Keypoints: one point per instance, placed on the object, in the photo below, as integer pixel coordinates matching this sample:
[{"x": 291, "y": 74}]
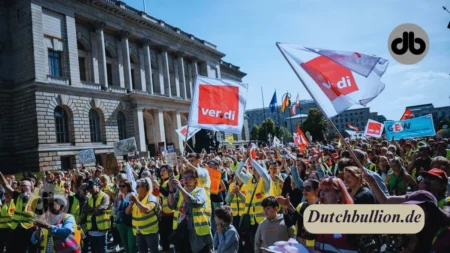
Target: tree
[
  {"x": 442, "y": 122},
  {"x": 315, "y": 124},
  {"x": 265, "y": 128},
  {"x": 254, "y": 133},
  {"x": 284, "y": 133}
]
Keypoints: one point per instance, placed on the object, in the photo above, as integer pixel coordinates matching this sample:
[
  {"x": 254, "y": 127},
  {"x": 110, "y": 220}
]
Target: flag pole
[
  {"x": 278, "y": 117},
  {"x": 264, "y": 112},
  {"x": 352, "y": 154}
]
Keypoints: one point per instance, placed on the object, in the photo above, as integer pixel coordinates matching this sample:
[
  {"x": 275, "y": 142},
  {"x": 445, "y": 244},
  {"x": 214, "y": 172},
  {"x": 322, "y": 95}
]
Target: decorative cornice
[
  {"x": 99, "y": 25},
  {"x": 145, "y": 42},
  {"x": 124, "y": 34}
]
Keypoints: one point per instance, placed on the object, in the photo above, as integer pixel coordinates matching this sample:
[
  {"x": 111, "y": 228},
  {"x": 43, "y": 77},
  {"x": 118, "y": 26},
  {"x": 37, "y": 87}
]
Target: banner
[
  {"x": 183, "y": 131},
  {"x": 124, "y": 147},
  {"x": 374, "y": 128},
  {"x": 356, "y": 135},
  {"x": 410, "y": 128},
  {"x": 86, "y": 156},
  {"x": 218, "y": 105}
]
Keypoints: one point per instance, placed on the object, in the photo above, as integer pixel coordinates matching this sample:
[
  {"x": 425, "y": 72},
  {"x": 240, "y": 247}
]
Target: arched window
[
  {"x": 122, "y": 125},
  {"x": 61, "y": 125},
  {"x": 94, "y": 123}
]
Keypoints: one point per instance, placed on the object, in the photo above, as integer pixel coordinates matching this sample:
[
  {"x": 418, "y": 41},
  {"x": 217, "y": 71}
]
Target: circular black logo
[{"x": 408, "y": 43}]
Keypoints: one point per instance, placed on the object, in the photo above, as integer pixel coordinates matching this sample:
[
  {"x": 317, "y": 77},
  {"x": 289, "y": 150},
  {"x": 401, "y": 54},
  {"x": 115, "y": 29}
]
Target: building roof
[
  {"x": 231, "y": 67},
  {"x": 418, "y": 106}
]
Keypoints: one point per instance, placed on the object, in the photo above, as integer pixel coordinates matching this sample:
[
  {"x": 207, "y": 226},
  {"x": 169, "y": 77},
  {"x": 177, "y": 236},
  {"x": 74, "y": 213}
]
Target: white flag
[
  {"x": 183, "y": 131},
  {"x": 336, "y": 80},
  {"x": 218, "y": 104},
  {"x": 276, "y": 142}
]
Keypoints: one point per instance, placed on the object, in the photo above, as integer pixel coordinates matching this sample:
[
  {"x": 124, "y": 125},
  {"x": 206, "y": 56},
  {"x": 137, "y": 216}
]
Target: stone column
[
  {"x": 195, "y": 69},
  {"x": 126, "y": 59},
  {"x": 139, "y": 130},
  {"x": 72, "y": 51},
  {"x": 166, "y": 72},
  {"x": 159, "y": 126},
  {"x": 120, "y": 64},
  {"x": 176, "y": 119},
  {"x": 142, "y": 70},
  {"x": 95, "y": 54},
  {"x": 161, "y": 74},
  {"x": 102, "y": 72},
  {"x": 177, "y": 77},
  {"x": 181, "y": 73},
  {"x": 148, "y": 65}
]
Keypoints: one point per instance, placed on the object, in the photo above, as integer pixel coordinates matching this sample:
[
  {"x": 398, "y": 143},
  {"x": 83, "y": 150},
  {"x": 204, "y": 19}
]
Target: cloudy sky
[{"x": 246, "y": 30}]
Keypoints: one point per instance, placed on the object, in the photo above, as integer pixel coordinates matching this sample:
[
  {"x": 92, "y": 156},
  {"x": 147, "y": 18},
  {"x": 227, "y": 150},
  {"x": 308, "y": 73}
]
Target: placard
[
  {"x": 86, "y": 156},
  {"x": 215, "y": 177}
]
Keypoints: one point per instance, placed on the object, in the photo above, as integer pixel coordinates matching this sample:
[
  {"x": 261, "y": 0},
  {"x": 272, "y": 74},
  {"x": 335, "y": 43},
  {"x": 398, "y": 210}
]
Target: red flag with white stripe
[
  {"x": 297, "y": 104},
  {"x": 352, "y": 127},
  {"x": 336, "y": 80}
]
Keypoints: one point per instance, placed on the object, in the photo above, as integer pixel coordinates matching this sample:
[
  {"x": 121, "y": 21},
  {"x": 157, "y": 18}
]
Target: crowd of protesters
[{"x": 151, "y": 206}]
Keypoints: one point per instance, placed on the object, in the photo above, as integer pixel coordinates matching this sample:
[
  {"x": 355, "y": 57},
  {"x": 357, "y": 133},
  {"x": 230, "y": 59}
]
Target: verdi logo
[{"x": 408, "y": 44}]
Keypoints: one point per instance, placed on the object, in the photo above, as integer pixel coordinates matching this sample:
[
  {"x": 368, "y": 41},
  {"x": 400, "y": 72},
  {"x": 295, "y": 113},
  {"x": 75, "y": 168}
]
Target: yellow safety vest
[
  {"x": 164, "y": 200},
  {"x": 256, "y": 209},
  {"x": 103, "y": 220},
  {"x": 75, "y": 209},
  {"x": 443, "y": 201},
  {"x": 309, "y": 243},
  {"x": 372, "y": 167},
  {"x": 200, "y": 216},
  {"x": 275, "y": 189},
  {"x": 24, "y": 216},
  {"x": 236, "y": 204},
  {"x": 145, "y": 223},
  {"x": 6, "y": 214}
]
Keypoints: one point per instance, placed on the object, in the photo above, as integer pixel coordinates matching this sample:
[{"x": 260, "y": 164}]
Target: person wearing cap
[
  {"x": 57, "y": 236},
  {"x": 441, "y": 150},
  {"x": 191, "y": 220},
  {"x": 435, "y": 235},
  {"x": 420, "y": 160},
  {"x": 98, "y": 211},
  {"x": 26, "y": 206}
]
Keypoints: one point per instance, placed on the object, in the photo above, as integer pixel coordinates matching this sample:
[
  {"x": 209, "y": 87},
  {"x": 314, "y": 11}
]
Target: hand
[
  {"x": 284, "y": 202},
  {"x": 175, "y": 183},
  {"x": 133, "y": 198},
  {"x": 422, "y": 170},
  {"x": 235, "y": 189},
  {"x": 41, "y": 224},
  {"x": 121, "y": 196}
]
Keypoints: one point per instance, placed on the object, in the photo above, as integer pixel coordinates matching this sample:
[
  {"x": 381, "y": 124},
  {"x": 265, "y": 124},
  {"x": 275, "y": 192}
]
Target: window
[
  {"x": 54, "y": 63},
  {"x": 235, "y": 137},
  {"x": 82, "y": 67},
  {"x": 109, "y": 73},
  {"x": 94, "y": 123},
  {"x": 133, "y": 82},
  {"x": 66, "y": 163},
  {"x": 61, "y": 125},
  {"x": 122, "y": 125}
]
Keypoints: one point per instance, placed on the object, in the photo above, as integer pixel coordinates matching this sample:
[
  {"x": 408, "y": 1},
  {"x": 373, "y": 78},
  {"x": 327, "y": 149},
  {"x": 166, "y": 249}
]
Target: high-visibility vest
[
  {"x": 207, "y": 186},
  {"x": 236, "y": 204},
  {"x": 275, "y": 189},
  {"x": 372, "y": 167},
  {"x": 256, "y": 209},
  {"x": 75, "y": 208},
  {"x": 164, "y": 200},
  {"x": 103, "y": 220},
  {"x": 447, "y": 155},
  {"x": 145, "y": 223},
  {"x": 200, "y": 216},
  {"x": 6, "y": 214},
  {"x": 66, "y": 245},
  {"x": 22, "y": 216},
  {"x": 309, "y": 243},
  {"x": 443, "y": 202}
]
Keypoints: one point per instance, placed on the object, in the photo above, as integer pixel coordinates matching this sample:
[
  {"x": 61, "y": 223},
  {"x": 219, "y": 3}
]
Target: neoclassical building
[{"x": 81, "y": 74}]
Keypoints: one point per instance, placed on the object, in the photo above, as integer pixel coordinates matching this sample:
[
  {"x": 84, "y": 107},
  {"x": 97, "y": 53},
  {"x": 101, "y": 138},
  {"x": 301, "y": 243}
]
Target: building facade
[
  {"x": 82, "y": 74},
  {"x": 424, "y": 109}
]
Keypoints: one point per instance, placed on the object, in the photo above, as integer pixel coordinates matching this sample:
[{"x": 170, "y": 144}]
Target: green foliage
[
  {"x": 254, "y": 133},
  {"x": 261, "y": 132},
  {"x": 315, "y": 124}
]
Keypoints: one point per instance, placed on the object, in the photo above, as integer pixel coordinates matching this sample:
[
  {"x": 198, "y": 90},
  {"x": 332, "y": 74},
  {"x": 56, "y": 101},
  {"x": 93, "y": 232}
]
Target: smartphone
[{"x": 170, "y": 171}]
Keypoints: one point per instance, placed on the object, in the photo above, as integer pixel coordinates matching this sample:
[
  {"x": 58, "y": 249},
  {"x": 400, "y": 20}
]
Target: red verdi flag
[
  {"x": 336, "y": 80},
  {"x": 374, "y": 128},
  {"x": 218, "y": 104},
  {"x": 407, "y": 114}
]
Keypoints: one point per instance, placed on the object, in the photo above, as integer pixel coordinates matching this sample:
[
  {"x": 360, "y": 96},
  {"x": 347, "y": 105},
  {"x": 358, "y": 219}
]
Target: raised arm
[
  {"x": 263, "y": 174},
  {"x": 242, "y": 174}
]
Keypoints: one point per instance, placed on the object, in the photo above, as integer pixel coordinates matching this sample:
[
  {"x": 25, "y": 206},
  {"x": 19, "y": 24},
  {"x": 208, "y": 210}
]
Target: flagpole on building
[
  {"x": 352, "y": 154},
  {"x": 264, "y": 112}
]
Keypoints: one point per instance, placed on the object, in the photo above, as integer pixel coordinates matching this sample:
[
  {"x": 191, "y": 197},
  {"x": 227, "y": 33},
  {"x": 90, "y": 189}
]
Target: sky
[{"x": 247, "y": 30}]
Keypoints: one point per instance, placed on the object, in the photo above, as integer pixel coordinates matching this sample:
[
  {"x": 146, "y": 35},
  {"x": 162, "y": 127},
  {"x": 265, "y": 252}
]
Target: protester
[{"x": 226, "y": 238}]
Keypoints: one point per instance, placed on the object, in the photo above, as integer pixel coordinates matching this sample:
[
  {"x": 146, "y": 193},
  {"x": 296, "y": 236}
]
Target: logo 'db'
[
  {"x": 218, "y": 105},
  {"x": 408, "y": 43}
]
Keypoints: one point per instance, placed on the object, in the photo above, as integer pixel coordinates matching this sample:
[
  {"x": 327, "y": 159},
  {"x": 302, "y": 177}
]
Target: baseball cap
[
  {"x": 93, "y": 182},
  {"x": 437, "y": 173},
  {"x": 420, "y": 197}
]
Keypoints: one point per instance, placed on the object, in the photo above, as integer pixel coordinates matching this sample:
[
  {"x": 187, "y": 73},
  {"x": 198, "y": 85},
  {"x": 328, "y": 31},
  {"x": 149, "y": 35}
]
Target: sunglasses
[
  {"x": 306, "y": 188},
  {"x": 122, "y": 186}
]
